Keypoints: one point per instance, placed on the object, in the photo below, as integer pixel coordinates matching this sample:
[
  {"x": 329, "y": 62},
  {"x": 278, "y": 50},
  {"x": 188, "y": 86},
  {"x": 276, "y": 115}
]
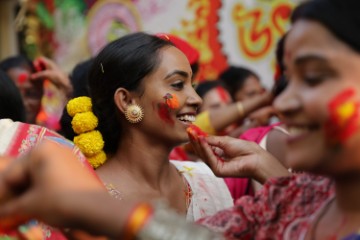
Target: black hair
[
  {"x": 207, "y": 85},
  {"x": 16, "y": 61},
  {"x": 11, "y": 103},
  {"x": 234, "y": 78},
  {"x": 122, "y": 63},
  {"x": 281, "y": 82},
  {"x": 345, "y": 26},
  {"x": 79, "y": 79},
  {"x": 195, "y": 68}
]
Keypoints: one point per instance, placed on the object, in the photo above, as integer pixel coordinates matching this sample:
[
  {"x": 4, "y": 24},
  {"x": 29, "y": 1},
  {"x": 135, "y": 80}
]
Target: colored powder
[
  {"x": 171, "y": 101},
  {"x": 164, "y": 113},
  {"x": 344, "y": 117},
  {"x": 22, "y": 78}
]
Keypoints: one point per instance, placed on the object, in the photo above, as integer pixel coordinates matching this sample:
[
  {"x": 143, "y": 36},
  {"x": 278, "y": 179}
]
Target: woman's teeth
[{"x": 187, "y": 118}]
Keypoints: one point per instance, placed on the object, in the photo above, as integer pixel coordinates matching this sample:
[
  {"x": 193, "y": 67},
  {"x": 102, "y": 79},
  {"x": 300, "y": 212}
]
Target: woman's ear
[{"x": 122, "y": 98}]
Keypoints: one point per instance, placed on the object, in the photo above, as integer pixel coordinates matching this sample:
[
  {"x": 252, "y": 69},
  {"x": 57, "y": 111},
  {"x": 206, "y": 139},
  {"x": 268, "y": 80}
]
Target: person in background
[
  {"x": 241, "y": 83},
  {"x": 29, "y": 78},
  {"x": 271, "y": 138},
  {"x": 11, "y": 104},
  {"x": 213, "y": 94}
]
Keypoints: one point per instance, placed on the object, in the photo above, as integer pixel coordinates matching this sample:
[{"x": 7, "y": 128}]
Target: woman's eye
[
  {"x": 178, "y": 85},
  {"x": 315, "y": 79}
]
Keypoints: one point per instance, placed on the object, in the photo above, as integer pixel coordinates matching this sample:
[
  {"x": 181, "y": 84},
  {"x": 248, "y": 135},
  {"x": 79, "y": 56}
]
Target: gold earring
[{"x": 134, "y": 113}]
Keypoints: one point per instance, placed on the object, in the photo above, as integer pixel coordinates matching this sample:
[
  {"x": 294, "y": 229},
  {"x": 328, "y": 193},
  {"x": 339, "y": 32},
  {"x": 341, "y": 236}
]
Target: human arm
[
  {"x": 47, "y": 69},
  {"x": 230, "y": 157},
  {"x": 49, "y": 184},
  {"x": 227, "y": 115},
  {"x": 222, "y": 117}
]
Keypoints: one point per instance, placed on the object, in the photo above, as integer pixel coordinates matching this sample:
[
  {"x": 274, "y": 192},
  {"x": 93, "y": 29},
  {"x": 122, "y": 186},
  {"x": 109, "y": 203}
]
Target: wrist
[
  {"x": 137, "y": 219},
  {"x": 270, "y": 167}
]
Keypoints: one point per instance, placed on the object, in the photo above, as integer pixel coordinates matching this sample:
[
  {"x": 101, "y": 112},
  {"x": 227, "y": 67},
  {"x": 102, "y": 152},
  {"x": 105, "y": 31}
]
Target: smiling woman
[{"x": 149, "y": 72}]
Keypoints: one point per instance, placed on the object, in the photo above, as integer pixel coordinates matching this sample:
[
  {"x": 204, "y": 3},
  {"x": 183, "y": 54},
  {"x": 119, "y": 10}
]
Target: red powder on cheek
[
  {"x": 344, "y": 117},
  {"x": 171, "y": 101},
  {"x": 22, "y": 78},
  {"x": 224, "y": 96},
  {"x": 164, "y": 113}
]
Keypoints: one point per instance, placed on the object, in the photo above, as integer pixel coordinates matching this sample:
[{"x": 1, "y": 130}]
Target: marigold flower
[
  {"x": 97, "y": 160},
  {"x": 90, "y": 143},
  {"x": 79, "y": 105},
  {"x": 84, "y": 122}
]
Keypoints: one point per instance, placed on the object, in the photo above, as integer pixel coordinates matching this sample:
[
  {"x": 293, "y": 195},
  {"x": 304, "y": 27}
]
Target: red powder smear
[
  {"x": 171, "y": 101},
  {"x": 164, "y": 113},
  {"x": 196, "y": 131},
  {"x": 224, "y": 96},
  {"x": 39, "y": 65},
  {"x": 344, "y": 117},
  {"x": 22, "y": 78}
]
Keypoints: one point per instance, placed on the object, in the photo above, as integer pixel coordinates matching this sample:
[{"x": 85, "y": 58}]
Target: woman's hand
[
  {"x": 47, "y": 69},
  {"x": 231, "y": 157}
]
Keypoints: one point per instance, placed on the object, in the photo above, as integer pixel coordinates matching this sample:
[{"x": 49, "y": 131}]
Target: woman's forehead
[{"x": 312, "y": 38}]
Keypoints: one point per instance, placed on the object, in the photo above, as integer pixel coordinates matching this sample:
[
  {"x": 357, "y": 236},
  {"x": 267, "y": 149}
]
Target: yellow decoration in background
[
  {"x": 79, "y": 105},
  {"x": 84, "y": 122}
]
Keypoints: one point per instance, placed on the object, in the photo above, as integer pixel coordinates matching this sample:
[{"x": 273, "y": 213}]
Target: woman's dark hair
[
  {"x": 11, "y": 105},
  {"x": 280, "y": 78},
  {"x": 123, "y": 63},
  {"x": 207, "y": 85},
  {"x": 234, "y": 78},
  {"x": 345, "y": 26},
  {"x": 79, "y": 80},
  {"x": 16, "y": 61}
]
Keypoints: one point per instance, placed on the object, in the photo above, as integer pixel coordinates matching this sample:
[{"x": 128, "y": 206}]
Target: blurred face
[
  {"x": 321, "y": 103},
  {"x": 215, "y": 98},
  {"x": 169, "y": 100},
  {"x": 251, "y": 88},
  {"x": 31, "y": 91}
]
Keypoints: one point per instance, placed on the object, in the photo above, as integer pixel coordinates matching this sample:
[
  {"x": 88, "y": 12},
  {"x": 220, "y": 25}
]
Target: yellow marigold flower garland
[
  {"x": 79, "y": 105},
  {"x": 84, "y": 122}
]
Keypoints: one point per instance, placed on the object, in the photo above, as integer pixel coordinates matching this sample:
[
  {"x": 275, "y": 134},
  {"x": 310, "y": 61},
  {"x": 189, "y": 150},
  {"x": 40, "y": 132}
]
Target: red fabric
[
  {"x": 179, "y": 154},
  {"x": 191, "y": 53},
  {"x": 281, "y": 210}
]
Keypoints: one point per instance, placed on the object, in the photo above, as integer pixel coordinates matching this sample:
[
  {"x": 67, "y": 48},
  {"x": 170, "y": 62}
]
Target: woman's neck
[{"x": 147, "y": 161}]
